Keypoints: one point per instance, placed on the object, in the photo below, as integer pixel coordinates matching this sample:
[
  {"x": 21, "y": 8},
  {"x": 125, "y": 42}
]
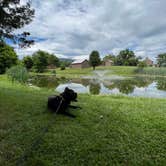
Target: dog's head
[{"x": 69, "y": 95}]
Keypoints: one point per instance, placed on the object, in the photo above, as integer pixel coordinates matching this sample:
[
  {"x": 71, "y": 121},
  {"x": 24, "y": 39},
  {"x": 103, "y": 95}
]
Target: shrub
[
  {"x": 63, "y": 67},
  {"x": 53, "y": 71},
  {"x": 142, "y": 64},
  {"x": 18, "y": 73}
]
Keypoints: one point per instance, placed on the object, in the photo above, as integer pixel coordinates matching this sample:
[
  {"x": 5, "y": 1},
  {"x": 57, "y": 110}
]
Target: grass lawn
[
  {"x": 112, "y": 70},
  {"x": 76, "y": 73},
  {"x": 108, "y": 130}
]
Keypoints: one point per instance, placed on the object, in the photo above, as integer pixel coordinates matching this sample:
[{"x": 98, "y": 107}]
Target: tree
[
  {"x": 161, "y": 60},
  {"x": 40, "y": 61},
  {"x": 109, "y": 57},
  {"x": 94, "y": 59},
  {"x": 8, "y": 57},
  {"x": 28, "y": 62},
  {"x": 142, "y": 64},
  {"x": 14, "y": 16},
  {"x": 126, "y": 58},
  {"x": 53, "y": 60}
]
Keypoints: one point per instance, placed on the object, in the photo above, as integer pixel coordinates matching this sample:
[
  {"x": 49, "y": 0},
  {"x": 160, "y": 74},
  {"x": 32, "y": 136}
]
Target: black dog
[{"x": 59, "y": 104}]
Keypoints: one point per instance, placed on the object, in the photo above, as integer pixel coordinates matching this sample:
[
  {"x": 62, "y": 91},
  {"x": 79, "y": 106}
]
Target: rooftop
[{"x": 79, "y": 61}]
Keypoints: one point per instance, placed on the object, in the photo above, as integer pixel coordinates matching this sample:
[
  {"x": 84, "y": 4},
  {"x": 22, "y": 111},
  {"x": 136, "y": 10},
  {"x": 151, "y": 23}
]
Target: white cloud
[{"x": 76, "y": 27}]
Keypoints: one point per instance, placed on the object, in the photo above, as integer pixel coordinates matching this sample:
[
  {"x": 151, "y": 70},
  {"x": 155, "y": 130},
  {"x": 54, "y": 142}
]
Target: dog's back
[{"x": 54, "y": 102}]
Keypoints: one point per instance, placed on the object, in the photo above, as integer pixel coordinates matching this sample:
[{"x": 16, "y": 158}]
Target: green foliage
[
  {"x": 94, "y": 59},
  {"x": 66, "y": 62},
  {"x": 13, "y": 16},
  {"x": 28, "y": 62},
  {"x": 109, "y": 57},
  {"x": 40, "y": 61},
  {"x": 18, "y": 73},
  {"x": 53, "y": 60},
  {"x": 94, "y": 88},
  {"x": 142, "y": 64},
  {"x": 155, "y": 71},
  {"x": 161, "y": 60},
  {"x": 126, "y": 58},
  {"x": 8, "y": 57},
  {"x": 63, "y": 67},
  {"x": 53, "y": 71}
]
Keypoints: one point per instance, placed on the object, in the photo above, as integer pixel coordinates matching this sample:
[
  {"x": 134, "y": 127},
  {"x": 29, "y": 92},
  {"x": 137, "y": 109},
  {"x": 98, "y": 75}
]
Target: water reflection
[
  {"x": 136, "y": 86},
  {"x": 94, "y": 88},
  {"x": 47, "y": 81},
  {"x": 161, "y": 84}
]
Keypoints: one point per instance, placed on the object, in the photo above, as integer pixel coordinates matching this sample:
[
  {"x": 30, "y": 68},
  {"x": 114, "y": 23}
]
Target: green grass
[
  {"x": 153, "y": 71},
  {"x": 112, "y": 70},
  {"x": 131, "y": 132},
  {"x": 77, "y": 73}
]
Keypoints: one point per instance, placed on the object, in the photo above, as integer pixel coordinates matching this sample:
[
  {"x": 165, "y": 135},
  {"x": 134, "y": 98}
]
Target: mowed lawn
[
  {"x": 77, "y": 73},
  {"x": 108, "y": 130}
]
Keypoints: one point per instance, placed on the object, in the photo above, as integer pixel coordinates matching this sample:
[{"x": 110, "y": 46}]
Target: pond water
[{"x": 103, "y": 84}]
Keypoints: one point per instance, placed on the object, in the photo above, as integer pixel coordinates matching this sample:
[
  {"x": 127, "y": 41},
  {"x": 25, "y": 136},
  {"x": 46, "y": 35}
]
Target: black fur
[{"x": 61, "y": 103}]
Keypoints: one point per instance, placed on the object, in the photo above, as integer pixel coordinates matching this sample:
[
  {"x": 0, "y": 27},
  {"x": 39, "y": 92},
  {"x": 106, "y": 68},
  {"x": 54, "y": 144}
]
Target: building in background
[
  {"x": 80, "y": 64},
  {"x": 149, "y": 62},
  {"x": 107, "y": 62}
]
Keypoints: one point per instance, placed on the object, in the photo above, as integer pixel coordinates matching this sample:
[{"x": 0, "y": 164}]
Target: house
[
  {"x": 148, "y": 61},
  {"x": 80, "y": 64},
  {"x": 107, "y": 62}
]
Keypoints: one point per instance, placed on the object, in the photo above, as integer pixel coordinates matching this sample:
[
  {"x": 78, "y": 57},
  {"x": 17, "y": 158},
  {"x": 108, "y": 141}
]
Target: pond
[{"x": 106, "y": 85}]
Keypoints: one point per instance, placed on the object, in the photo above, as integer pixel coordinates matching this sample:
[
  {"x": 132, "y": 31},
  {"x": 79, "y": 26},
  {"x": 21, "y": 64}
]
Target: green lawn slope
[{"x": 108, "y": 130}]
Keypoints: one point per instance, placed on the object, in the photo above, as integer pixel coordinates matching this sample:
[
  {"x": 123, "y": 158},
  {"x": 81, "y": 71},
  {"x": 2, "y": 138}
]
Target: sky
[{"x": 73, "y": 28}]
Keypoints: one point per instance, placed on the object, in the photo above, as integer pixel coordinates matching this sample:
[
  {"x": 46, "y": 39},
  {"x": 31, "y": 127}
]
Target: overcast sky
[{"x": 73, "y": 28}]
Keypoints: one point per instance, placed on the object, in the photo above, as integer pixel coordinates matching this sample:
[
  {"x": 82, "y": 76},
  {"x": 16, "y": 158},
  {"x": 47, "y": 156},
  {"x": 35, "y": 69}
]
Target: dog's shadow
[{"x": 67, "y": 112}]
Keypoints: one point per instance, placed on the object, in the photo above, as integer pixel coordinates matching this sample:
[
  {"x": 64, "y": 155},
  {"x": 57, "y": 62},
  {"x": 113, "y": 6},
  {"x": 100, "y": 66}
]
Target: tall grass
[
  {"x": 18, "y": 73},
  {"x": 152, "y": 71}
]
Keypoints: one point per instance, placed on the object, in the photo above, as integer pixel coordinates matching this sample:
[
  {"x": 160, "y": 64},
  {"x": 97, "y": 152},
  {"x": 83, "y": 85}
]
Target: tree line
[
  {"x": 14, "y": 15},
  {"x": 41, "y": 60}
]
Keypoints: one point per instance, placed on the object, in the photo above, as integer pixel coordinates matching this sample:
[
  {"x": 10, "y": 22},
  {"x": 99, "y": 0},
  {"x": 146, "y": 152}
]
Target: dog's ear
[{"x": 66, "y": 88}]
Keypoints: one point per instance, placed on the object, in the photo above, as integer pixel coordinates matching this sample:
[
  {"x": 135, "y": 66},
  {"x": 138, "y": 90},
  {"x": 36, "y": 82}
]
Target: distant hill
[{"x": 66, "y": 60}]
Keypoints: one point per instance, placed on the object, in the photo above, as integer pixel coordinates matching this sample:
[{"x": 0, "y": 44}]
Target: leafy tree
[
  {"x": 8, "y": 57},
  {"x": 40, "y": 61},
  {"x": 28, "y": 62},
  {"x": 126, "y": 58},
  {"x": 53, "y": 60},
  {"x": 14, "y": 16},
  {"x": 109, "y": 57},
  {"x": 94, "y": 59},
  {"x": 161, "y": 60}
]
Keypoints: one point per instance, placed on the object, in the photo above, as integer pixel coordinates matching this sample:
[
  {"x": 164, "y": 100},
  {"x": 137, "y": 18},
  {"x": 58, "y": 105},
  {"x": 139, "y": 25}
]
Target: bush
[
  {"x": 53, "y": 71},
  {"x": 63, "y": 67},
  {"x": 142, "y": 64},
  {"x": 163, "y": 65},
  {"x": 18, "y": 73}
]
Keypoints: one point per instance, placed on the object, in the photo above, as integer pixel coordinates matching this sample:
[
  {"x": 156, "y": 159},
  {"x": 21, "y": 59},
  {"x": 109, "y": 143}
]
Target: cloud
[{"x": 71, "y": 28}]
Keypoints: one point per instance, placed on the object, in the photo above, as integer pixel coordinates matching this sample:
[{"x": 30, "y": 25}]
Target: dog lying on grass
[{"x": 60, "y": 104}]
